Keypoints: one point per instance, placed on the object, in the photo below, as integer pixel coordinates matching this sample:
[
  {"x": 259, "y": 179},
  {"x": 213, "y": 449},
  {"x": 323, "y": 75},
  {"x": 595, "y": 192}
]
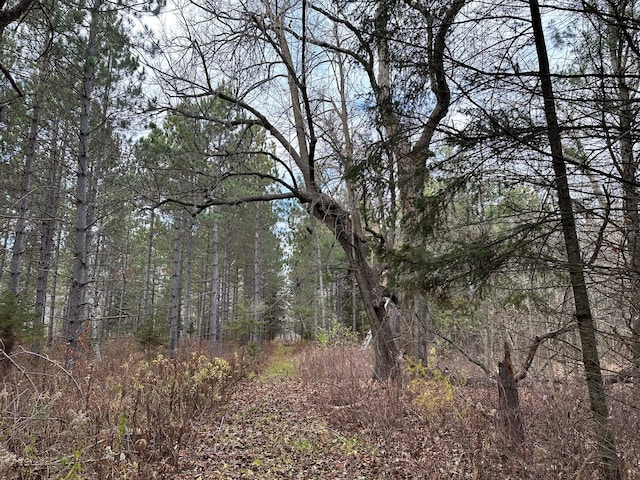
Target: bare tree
[{"x": 277, "y": 80}]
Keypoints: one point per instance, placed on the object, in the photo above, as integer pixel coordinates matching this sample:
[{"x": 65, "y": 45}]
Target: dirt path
[
  {"x": 272, "y": 430},
  {"x": 336, "y": 425}
]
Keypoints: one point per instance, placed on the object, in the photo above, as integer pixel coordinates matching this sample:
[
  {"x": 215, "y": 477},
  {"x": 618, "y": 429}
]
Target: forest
[{"x": 420, "y": 217}]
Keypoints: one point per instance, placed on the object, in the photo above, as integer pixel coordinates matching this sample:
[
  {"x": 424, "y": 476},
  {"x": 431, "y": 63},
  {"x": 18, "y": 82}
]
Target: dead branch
[
  {"x": 464, "y": 354},
  {"x": 538, "y": 339}
]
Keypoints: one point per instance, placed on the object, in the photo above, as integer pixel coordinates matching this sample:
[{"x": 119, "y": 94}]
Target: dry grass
[
  {"x": 126, "y": 416},
  {"x": 457, "y": 437},
  {"x": 145, "y": 417}
]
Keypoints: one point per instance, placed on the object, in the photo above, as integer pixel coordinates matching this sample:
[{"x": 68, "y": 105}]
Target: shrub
[
  {"x": 150, "y": 335},
  {"x": 110, "y": 420},
  {"x": 16, "y": 323},
  {"x": 161, "y": 399},
  {"x": 432, "y": 389},
  {"x": 336, "y": 333}
]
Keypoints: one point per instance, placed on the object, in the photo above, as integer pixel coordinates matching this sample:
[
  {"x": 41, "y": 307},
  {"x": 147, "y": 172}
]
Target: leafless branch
[{"x": 536, "y": 343}]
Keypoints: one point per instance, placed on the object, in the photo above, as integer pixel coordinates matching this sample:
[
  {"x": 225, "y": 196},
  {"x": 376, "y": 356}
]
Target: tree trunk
[
  {"x": 320, "y": 296},
  {"x": 5, "y": 246},
  {"x": 48, "y": 231},
  {"x": 187, "y": 288},
  {"x": 176, "y": 280},
  {"x": 509, "y": 416},
  {"x": 12, "y": 12},
  {"x": 215, "y": 292},
  {"x": 148, "y": 268},
  {"x": 628, "y": 168},
  {"x": 256, "y": 328},
  {"x": 411, "y": 157},
  {"x": 54, "y": 288},
  {"x": 78, "y": 290},
  {"x": 96, "y": 308},
  {"x": 340, "y": 224},
  {"x": 584, "y": 318},
  {"x": 25, "y": 195}
]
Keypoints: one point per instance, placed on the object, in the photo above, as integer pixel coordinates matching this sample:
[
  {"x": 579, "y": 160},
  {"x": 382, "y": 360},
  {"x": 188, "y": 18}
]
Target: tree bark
[
  {"x": 215, "y": 291},
  {"x": 187, "y": 287},
  {"x": 411, "y": 157},
  {"x": 78, "y": 290},
  {"x": 25, "y": 195},
  {"x": 11, "y": 14},
  {"x": 628, "y": 168},
  {"x": 586, "y": 328},
  {"x": 146, "y": 294},
  {"x": 320, "y": 294},
  {"x": 176, "y": 281},
  {"x": 48, "y": 231},
  {"x": 339, "y": 222},
  {"x": 54, "y": 288},
  {"x": 509, "y": 416},
  {"x": 256, "y": 328}
]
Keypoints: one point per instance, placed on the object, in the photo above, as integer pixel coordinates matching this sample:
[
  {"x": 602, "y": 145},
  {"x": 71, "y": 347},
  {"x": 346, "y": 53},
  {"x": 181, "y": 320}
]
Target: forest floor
[
  {"x": 315, "y": 414},
  {"x": 301, "y": 411}
]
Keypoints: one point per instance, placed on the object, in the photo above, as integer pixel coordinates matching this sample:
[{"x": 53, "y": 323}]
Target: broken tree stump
[{"x": 509, "y": 416}]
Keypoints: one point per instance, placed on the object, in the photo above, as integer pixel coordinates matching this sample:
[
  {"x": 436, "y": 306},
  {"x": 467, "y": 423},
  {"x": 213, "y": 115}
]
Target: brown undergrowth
[
  {"x": 440, "y": 426},
  {"x": 126, "y": 416},
  {"x": 306, "y": 411}
]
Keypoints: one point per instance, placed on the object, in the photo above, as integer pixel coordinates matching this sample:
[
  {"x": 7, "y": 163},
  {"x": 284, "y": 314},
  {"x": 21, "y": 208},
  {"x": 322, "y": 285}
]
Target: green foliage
[
  {"x": 478, "y": 231},
  {"x": 150, "y": 335},
  {"x": 315, "y": 252},
  {"x": 459, "y": 312},
  {"x": 238, "y": 329},
  {"x": 335, "y": 334},
  {"x": 73, "y": 466},
  {"x": 16, "y": 322},
  {"x": 432, "y": 390},
  {"x": 437, "y": 201},
  {"x": 281, "y": 364}
]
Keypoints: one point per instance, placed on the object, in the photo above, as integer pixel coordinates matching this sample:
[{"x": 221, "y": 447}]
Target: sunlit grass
[{"x": 281, "y": 363}]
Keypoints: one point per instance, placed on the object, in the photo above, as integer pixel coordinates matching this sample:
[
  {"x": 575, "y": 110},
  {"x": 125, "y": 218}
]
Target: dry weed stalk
[{"x": 111, "y": 419}]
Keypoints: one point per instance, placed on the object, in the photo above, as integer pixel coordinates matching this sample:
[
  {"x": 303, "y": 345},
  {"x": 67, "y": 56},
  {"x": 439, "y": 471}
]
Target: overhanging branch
[
  {"x": 14, "y": 85},
  {"x": 201, "y": 206}
]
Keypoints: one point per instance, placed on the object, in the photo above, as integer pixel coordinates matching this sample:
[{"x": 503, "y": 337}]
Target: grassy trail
[{"x": 272, "y": 430}]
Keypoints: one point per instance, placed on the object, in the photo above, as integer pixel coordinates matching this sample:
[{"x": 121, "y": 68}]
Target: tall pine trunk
[
  {"x": 187, "y": 287},
  {"x": 584, "y": 318},
  {"x": 256, "y": 328},
  {"x": 146, "y": 293},
  {"x": 176, "y": 281},
  {"x": 47, "y": 234},
  {"x": 79, "y": 281},
  {"x": 20, "y": 236},
  {"x": 215, "y": 288}
]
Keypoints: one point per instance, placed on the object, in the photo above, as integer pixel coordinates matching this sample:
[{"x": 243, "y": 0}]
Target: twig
[
  {"x": 22, "y": 370},
  {"x": 7, "y": 75},
  {"x": 55, "y": 363},
  {"x": 464, "y": 354}
]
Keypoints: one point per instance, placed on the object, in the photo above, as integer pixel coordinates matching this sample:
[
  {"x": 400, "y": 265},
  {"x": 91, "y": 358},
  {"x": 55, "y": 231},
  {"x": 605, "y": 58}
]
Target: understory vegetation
[
  {"x": 127, "y": 416},
  {"x": 442, "y": 195},
  {"x": 304, "y": 410}
]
